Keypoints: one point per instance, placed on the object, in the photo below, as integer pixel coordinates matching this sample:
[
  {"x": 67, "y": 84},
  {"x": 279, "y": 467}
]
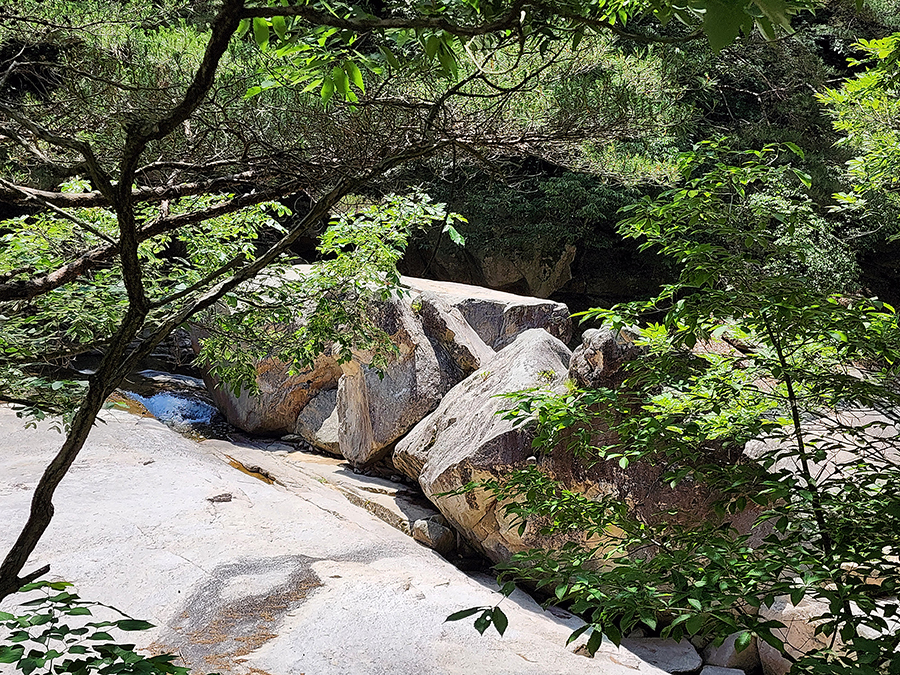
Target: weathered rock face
[
  {"x": 499, "y": 317},
  {"x": 598, "y": 360},
  {"x": 318, "y": 422},
  {"x": 799, "y": 632},
  {"x": 465, "y": 440},
  {"x": 543, "y": 275},
  {"x": 443, "y": 332},
  {"x": 274, "y": 409}
]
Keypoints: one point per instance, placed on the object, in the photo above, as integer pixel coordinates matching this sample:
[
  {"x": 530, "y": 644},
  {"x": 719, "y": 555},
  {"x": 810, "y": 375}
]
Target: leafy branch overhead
[{"x": 328, "y": 47}]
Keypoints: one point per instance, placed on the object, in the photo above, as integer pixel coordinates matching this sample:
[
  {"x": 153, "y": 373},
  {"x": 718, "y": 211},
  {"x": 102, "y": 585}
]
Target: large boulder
[
  {"x": 727, "y": 655},
  {"x": 496, "y": 316},
  {"x": 443, "y": 333},
  {"x": 598, "y": 360},
  {"x": 540, "y": 273},
  {"x": 274, "y": 408},
  {"x": 465, "y": 440},
  {"x": 799, "y": 633},
  {"x": 800, "y": 624}
]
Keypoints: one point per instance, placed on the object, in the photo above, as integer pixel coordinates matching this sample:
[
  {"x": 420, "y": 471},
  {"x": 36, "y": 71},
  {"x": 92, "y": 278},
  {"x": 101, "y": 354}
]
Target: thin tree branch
[
  {"x": 27, "y": 289},
  {"x": 60, "y": 212}
]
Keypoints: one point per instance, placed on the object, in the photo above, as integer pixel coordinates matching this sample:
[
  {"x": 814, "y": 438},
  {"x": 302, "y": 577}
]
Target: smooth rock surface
[
  {"x": 719, "y": 670},
  {"x": 281, "y": 579},
  {"x": 678, "y": 658},
  {"x": 388, "y": 501},
  {"x": 465, "y": 440}
]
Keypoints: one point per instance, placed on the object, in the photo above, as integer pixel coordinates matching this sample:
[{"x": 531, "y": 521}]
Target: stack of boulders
[
  {"x": 434, "y": 411},
  {"x": 443, "y": 332}
]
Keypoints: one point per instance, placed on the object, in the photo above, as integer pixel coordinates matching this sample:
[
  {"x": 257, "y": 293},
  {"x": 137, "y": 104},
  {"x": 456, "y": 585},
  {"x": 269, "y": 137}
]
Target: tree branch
[
  {"x": 98, "y": 174},
  {"x": 147, "y": 195},
  {"x": 68, "y": 216},
  {"x": 27, "y": 289}
]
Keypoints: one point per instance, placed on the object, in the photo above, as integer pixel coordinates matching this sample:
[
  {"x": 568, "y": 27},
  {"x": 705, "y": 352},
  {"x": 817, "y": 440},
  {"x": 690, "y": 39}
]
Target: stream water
[{"x": 178, "y": 401}]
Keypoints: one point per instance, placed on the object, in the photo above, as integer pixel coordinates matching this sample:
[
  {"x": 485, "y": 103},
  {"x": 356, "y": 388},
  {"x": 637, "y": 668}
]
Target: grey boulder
[
  {"x": 466, "y": 440},
  {"x": 496, "y": 316}
]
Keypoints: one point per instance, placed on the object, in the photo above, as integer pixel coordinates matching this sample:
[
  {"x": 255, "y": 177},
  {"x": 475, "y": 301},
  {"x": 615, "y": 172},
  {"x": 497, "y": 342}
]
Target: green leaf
[
  {"x": 577, "y": 37},
  {"x": 11, "y": 654},
  {"x": 432, "y": 43},
  {"x": 500, "y": 620},
  {"x": 279, "y": 26},
  {"x": 483, "y": 621},
  {"x": 613, "y": 633},
  {"x": 594, "y": 642},
  {"x": 742, "y": 641},
  {"x": 261, "y": 33},
  {"x": 29, "y": 665},
  {"x": 578, "y": 632},
  {"x": 793, "y": 147},
  {"x": 390, "y": 58},
  {"x": 462, "y": 614},
  {"x": 355, "y": 75},
  {"x": 694, "y": 624},
  {"x": 776, "y": 11},
  {"x": 327, "y": 90},
  {"x": 722, "y": 23},
  {"x": 133, "y": 624},
  {"x": 804, "y": 177},
  {"x": 508, "y": 588},
  {"x": 341, "y": 83},
  {"x": 455, "y": 236}
]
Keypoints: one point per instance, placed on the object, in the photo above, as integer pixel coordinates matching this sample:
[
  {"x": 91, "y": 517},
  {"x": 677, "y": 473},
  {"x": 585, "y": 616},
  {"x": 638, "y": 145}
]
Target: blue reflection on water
[{"x": 175, "y": 410}]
